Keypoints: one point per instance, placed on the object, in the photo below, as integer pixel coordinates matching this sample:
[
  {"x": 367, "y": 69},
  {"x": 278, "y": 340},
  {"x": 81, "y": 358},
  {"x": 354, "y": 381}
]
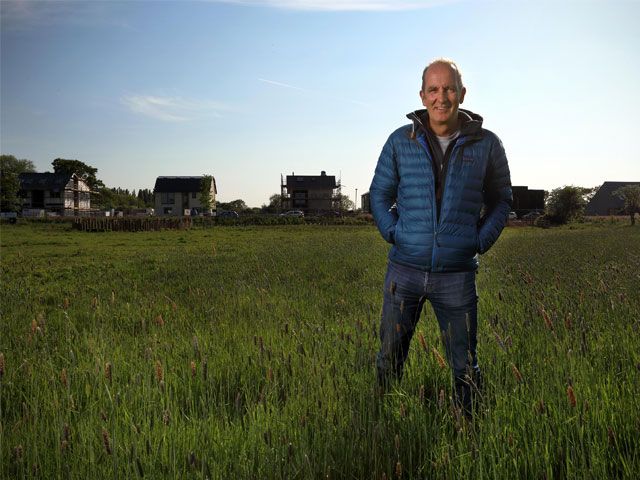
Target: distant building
[
  {"x": 181, "y": 195},
  {"x": 604, "y": 202},
  {"x": 365, "y": 202},
  {"x": 525, "y": 200},
  {"x": 310, "y": 193},
  {"x": 59, "y": 193}
]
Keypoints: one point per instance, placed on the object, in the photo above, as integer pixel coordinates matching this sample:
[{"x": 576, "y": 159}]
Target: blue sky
[{"x": 249, "y": 90}]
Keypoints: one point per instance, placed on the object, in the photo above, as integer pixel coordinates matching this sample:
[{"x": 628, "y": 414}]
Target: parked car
[
  {"x": 228, "y": 214},
  {"x": 513, "y": 216},
  {"x": 293, "y": 213},
  {"x": 532, "y": 215}
]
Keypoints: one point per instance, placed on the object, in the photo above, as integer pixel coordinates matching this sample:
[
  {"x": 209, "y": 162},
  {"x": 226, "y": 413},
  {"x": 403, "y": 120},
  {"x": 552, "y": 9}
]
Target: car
[
  {"x": 513, "y": 216},
  {"x": 293, "y": 213},
  {"x": 228, "y": 214},
  {"x": 532, "y": 215}
]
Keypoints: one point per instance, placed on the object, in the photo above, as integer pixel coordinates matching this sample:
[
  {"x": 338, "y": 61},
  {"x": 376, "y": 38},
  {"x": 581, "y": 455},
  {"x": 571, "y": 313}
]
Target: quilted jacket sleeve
[
  {"x": 383, "y": 192},
  {"x": 497, "y": 197}
]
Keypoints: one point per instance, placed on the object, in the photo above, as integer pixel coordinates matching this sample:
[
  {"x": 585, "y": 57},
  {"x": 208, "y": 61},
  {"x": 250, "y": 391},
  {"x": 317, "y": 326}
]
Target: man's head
[{"x": 442, "y": 92}]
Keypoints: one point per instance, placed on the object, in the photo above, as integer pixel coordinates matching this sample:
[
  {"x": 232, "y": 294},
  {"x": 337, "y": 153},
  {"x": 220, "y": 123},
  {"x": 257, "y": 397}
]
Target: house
[
  {"x": 181, "y": 195},
  {"x": 310, "y": 193},
  {"x": 365, "y": 202},
  {"x": 59, "y": 193},
  {"x": 525, "y": 200},
  {"x": 604, "y": 202}
]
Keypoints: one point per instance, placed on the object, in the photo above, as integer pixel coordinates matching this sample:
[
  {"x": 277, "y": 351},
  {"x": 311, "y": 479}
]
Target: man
[{"x": 432, "y": 180}]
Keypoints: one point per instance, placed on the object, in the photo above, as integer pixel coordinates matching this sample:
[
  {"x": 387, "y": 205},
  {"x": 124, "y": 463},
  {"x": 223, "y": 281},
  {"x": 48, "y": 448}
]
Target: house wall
[
  {"x": 181, "y": 201},
  {"x": 62, "y": 202}
]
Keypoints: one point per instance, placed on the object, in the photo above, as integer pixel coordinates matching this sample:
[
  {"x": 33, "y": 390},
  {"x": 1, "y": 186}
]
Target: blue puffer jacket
[{"x": 477, "y": 176}]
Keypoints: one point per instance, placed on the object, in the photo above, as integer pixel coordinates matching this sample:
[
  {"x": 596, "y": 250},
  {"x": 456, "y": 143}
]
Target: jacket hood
[{"x": 471, "y": 123}]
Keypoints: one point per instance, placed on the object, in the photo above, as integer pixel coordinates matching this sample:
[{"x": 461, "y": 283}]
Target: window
[
  {"x": 167, "y": 197},
  {"x": 194, "y": 194},
  {"x": 54, "y": 194}
]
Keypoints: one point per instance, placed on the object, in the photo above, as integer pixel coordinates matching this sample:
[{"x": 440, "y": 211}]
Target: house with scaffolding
[
  {"x": 313, "y": 194},
  {"x": 54, "y": 193}
]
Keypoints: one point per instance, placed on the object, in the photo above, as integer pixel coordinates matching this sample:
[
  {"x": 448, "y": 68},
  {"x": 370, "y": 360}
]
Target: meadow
[{"x": 248, "y": 353}]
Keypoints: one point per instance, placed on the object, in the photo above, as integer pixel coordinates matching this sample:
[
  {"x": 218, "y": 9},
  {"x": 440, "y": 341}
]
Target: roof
[
  {"x": 180, "y": 184},
  {"x": 44, "y": 181},
  {"x": 311, "y": 181},
  {"x": 604, "y": 202}
]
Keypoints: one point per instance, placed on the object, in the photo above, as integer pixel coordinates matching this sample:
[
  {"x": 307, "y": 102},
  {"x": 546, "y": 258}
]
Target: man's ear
[
  {"x": 462, "y": 94},
  {"x": 422, "y": 97}
]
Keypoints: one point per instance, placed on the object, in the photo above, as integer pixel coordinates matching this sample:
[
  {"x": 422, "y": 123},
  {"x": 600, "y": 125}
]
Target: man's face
[{"x": 440, "y": 95}]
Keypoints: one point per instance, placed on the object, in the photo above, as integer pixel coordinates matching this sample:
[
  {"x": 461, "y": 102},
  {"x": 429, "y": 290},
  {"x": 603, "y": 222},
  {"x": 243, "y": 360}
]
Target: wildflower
[
  {"x": 571, "y": 396},
  {"x": 106, "y": 441},
  {"x": 516, "y": 373}
]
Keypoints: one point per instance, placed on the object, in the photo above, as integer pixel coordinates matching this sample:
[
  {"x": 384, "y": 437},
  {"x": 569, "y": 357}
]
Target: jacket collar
[{"x": 470, "y": 123}]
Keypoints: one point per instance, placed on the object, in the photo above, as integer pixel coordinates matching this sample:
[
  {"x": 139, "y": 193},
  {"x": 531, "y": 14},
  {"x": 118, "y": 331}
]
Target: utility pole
[{"x": 355, "y": 201}]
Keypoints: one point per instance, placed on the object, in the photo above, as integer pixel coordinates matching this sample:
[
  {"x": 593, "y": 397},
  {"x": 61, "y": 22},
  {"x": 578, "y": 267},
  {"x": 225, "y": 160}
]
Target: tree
[
  {"x": 62, "y": 165},
  {"x": 205, "y": 192},
  {"x": 630, "y": 195},
  {"x": 275, "y": 204},
  {"x": 235, "y": 205},
  {"x": 342, "y": 202},
  {"x": 10, "y": 170},
  {"x": 566, "y": 204}
]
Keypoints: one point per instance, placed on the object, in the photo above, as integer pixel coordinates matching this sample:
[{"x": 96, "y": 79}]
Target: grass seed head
[
  {"x": 397, "y": 443},
  {"x": 166, "y": 417},
  {"x": 107, "y": 372},
  {"x": 106, "y": 441},
  {"x": 65, "y": 303},
  {"x": 516, "y": 372},
  {"x": 159, "y": 371},
  {"x": 441, "y": 398},
  {"x": 63, "y": 378},
  {"x": 398, "y": 469},
  {"x": 159, "y": 321},
  {"x": 439, "y": 358},
  {"x": 1, "y": 365},
  {"x": 423, "y": 342},
  {"x": 571, "y": 396},
  {"x": 193, "y": 368}
]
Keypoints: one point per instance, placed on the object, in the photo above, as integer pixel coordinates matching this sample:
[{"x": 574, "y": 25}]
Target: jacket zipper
[{"x": 434, "y": 207}]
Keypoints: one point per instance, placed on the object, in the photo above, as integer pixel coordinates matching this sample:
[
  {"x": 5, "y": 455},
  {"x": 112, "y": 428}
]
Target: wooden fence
[{"x": 130, "y": 224}]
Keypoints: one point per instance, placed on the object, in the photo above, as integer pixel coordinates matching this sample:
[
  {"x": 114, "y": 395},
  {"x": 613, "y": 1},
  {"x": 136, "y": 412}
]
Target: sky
[{"x": 249, "y": 90}]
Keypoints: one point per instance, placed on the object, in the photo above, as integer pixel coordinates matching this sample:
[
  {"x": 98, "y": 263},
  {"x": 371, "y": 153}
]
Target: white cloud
[
  {"x": 342, "y": 5},
  {"x": 172, "y": 109}
]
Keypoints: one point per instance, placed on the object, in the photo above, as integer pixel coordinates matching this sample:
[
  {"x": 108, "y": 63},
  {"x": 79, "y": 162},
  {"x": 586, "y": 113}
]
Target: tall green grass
[{"x": 248, "y": 352}]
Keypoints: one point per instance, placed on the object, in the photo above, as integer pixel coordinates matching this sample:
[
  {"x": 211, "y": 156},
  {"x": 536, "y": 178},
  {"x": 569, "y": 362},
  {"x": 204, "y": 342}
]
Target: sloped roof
[
  {"x": 44, "y": 181},
  {"x": 604, "y": 202},
  {"x": 180, "y": 184},
  {"x": 311, "y": 181}
]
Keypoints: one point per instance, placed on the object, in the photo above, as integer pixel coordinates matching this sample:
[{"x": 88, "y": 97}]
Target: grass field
[{"x": 248, "y": 353}]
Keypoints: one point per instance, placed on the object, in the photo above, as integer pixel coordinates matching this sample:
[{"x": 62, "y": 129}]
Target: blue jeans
[{"x": 455, "y": 303}]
